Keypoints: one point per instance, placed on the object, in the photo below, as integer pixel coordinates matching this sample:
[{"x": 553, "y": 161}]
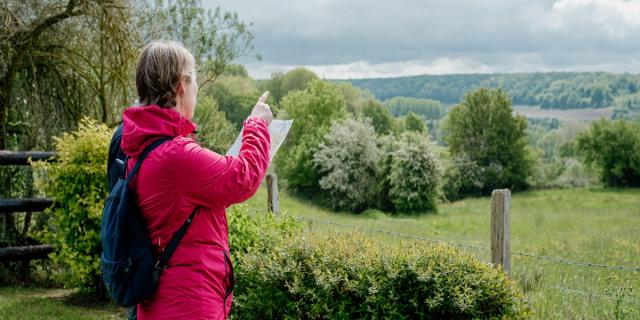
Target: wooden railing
[{"x": 28, "y": 206}]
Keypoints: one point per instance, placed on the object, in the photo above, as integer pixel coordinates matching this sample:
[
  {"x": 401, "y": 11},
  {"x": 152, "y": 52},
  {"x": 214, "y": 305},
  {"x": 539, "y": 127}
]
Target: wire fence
[
  {"x": 591, "y": 294},
  {"x": 474, "y": 246},
  {"x": 393, "y": 233}
]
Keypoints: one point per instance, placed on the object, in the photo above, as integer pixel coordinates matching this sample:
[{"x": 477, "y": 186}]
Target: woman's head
[{"x": 166, "y": 77}]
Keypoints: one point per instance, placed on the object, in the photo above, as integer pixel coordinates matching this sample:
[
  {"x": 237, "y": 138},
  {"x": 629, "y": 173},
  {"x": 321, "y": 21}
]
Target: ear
[{"x": 181, "y": 89}]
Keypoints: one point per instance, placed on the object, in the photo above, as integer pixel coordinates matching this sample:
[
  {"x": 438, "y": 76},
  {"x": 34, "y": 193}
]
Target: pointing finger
[{"x": 263, "y": 97}]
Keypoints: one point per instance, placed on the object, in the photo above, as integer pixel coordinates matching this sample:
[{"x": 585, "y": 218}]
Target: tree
[
  {"x": 613, "y": 147},
  {"x": 313, "y": 110},
  {"x": 483, "y": 130},
  {"x": 281, "y": 84},
  {"x": 355, "y": 97},
  {"x": 380, "y": 117},
  {"x": 412, "y": 122},
  {"x": 235, "y": 108},
  {"x": 347, "y": 161},
  {"x": 215, "y": 132},
  {"x": 216, "y": 38},
  {"x": 60, "y": 61},
  {"x": 414, "y": 178},
  {"x": 427, "y": 108}
]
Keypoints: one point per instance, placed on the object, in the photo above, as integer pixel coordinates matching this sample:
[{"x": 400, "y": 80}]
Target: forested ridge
[{"x": 552, "y": 90}]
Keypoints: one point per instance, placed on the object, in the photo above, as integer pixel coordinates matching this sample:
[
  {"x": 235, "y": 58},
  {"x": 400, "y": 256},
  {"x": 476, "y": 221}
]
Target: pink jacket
[{"x": 175, "y": 178}]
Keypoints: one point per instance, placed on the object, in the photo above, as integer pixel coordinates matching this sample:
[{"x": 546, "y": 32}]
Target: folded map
[{"x": 278, "y": 129}]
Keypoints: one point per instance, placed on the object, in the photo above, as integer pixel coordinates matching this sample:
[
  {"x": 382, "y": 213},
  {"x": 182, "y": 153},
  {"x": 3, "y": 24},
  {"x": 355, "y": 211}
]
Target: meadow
[
  {"x": 586, "y": 115},
  {"x": 592, "y": 225}
]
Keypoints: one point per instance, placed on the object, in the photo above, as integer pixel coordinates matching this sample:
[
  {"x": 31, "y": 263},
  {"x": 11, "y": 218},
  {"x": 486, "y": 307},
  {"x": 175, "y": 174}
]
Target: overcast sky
[{"x": 364, "y": 39}]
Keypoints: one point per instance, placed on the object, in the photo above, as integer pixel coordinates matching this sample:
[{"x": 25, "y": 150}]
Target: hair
[{"x": 160, "y": 68}]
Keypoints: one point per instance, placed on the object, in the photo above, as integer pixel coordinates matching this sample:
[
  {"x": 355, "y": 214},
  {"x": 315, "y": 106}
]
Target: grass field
[
  {"x": 587, "y": 115},
  {"x": 40, "y": 304},
  {"x": 583, "y": 225}
]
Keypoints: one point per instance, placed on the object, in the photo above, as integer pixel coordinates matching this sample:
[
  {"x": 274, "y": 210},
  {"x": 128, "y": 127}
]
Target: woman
[{"x": 180, "y": 176}]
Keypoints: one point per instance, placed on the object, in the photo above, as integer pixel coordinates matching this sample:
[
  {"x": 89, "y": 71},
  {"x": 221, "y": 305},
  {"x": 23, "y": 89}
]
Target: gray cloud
[{"x": 463, "y": 36}]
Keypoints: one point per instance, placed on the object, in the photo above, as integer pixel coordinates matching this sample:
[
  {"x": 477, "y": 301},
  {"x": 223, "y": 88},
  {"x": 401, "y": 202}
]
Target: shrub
[
  {"x": 414, "y": 177},
  {"x": 614, "y": 149},
  {"x": 464, "y": 177},
  {"x": 388, "y": 145},
  {"x": 563, "y": 172},
  {"x": 483, "y": 130},
  {"x": 262, "y": 230},
  {"x": 350, "y": 277},
  {"x": 77, "y": 183},
  {"x": 215, "y": 132},
  {"x": 348, "y": 161}
]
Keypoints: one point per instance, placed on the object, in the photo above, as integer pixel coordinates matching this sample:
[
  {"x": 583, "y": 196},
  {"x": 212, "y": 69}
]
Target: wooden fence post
[
  {"x": 272, "y": 194},
  {"x": 500, "y": 207}
]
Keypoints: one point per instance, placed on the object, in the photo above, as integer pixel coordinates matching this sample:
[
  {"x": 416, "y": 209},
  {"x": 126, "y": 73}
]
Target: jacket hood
[{"x": 141, "y": 125}]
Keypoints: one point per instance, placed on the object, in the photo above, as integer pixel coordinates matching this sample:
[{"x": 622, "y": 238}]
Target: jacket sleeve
[{"x": 209, "y": 179}]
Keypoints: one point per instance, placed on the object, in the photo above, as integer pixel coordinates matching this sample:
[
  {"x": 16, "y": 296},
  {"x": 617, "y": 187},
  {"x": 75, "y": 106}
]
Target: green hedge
[
  {"x": 77, "y": 183},
  {"x": 350, "y": 277}
]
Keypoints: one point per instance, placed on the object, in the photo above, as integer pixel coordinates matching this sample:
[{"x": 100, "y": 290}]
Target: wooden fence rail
[
  {"x": 24, "y": 205},
  {"x": 29, "y": 206},
  {"x": 25, "y": 253},
  {"x": 22, "y": 157}
]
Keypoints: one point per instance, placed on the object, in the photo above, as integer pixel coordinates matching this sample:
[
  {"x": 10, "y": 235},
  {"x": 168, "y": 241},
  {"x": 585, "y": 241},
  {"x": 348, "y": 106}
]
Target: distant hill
[{"x": 551, "y": 90}]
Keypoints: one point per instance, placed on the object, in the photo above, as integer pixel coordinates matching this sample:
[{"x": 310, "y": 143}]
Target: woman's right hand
[{"x": 262, "y": 110}]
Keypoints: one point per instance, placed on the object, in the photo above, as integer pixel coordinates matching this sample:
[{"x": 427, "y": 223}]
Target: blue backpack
[{"x": 129, "y": 269}]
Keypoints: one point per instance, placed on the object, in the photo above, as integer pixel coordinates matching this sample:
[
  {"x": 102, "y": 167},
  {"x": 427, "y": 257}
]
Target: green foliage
[
  {"x": 347, "y": 161},
  {"x": 428, "y": 109},
  {"x": 352, "y": 277},
  {"x": 236, "y": 107},
  {"x": 613, "y": 147},
  {"x": 355, "y": 97},
  {"x": 465, "y": 177},
  {"x": 281, "y": 84},
  {"x": 388, "y": 146},
  {"x": 236, "y": 70},
  {"x": 414, "y": 176},
  {"x": 413, "y": 122},
  {"x": 254, "y": 233},
  {"x": 557, "y": 90},
  {"x": 381, "y": 118},
  {"x": 557, "y": 165},
  {"x": 487, "y": 140},
  {"x": 60, "y": 61},
  {"x": 215, "y": 37},
  {"x": 77, "y": 183},
  {"x": 313, "y": 110},
  {"x": 215, "y": 132}
]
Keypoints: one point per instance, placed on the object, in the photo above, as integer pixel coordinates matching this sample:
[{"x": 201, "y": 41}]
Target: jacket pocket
[
  {"x": 116, "y": 268},
  {"x": 229, "y": 279}
]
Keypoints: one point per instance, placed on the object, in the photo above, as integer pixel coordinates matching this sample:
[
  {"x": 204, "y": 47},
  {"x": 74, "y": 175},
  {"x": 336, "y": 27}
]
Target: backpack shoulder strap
[
  {"x": 161, "y": 265},
  {"x": 144, "y": 154}
]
